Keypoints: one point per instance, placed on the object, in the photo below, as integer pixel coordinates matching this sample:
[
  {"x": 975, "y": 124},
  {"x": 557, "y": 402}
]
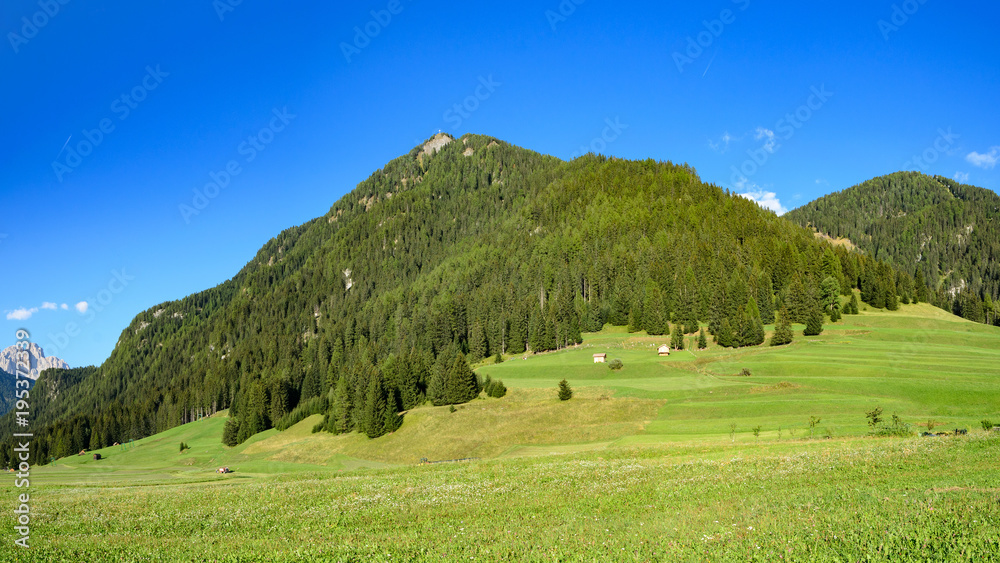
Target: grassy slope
[
  {"x": 672, "y": 487},
  {"x": 919, "y": 362}
]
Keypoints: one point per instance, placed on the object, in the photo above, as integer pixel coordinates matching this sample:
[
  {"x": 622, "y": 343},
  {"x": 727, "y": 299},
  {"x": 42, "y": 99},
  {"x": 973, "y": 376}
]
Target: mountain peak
[{"x": 38, "y": 362}]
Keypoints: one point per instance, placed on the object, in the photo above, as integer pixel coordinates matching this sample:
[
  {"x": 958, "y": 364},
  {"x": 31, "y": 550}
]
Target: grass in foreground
[{"x": 826, "y": 500}]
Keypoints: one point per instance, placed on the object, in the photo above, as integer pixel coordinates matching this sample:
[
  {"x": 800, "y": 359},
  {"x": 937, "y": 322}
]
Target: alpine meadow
[{"x": 390, "y": 281}]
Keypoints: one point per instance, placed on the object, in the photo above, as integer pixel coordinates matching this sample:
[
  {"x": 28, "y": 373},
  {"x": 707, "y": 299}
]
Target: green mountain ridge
[
  {"x": 460, "y": 250},
  {"x": 947, "y": 231}
]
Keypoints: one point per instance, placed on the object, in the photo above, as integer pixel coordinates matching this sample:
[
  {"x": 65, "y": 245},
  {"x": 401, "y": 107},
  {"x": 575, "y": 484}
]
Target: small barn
[
  {"x": 600, "y": 358},
  {"x": 663, "y": 350},
  {"x": 97, "y": 457}
]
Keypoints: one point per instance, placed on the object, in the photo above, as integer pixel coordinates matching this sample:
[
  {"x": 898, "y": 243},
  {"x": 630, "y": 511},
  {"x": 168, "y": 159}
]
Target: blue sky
[{"x": 115, "y": 113}]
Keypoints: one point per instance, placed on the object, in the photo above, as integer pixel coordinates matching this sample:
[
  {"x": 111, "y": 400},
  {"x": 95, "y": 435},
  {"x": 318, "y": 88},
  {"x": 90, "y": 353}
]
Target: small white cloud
[
  {"x": 49, "y": 306},
  {"x": 723, "y": 145},
  {"x": 769, "y": 144},
  {"x": 765, "y": 199},
  {"x": 21, "y": 314},
  {"x": 987, "y": 161},
  {"x": 962, "y": 177},
  {"x": 82, "y": 307},
  {"x": 64, "y": 307}
]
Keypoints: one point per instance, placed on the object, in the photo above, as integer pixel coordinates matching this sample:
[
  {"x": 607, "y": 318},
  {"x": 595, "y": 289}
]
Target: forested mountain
[
  {"x": 460, "y": 249},
  {"x": 7, "y": 390},
  {"x": 940, "y": 230}
]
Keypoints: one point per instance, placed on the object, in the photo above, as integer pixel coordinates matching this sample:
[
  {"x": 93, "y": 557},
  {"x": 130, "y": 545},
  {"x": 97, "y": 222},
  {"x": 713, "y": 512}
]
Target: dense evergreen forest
[
  {"x": 7, "y": 390},
  {"x": 448, "y": 257},
  {"x": 937, "y": 229}
]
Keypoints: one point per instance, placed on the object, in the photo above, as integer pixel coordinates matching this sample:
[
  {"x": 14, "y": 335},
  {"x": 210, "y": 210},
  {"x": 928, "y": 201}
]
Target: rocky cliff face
[{"x": 38, "y": 362}]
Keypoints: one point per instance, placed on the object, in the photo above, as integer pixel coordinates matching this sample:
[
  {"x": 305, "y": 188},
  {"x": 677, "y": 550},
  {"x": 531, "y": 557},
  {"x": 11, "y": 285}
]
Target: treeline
[
  {"x": 444, "y": 258},
  {"x": 945, "y": 233}
]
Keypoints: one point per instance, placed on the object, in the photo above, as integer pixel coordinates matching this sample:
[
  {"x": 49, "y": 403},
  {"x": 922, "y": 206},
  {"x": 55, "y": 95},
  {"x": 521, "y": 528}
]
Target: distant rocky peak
[{"x": 38, "y": 362}]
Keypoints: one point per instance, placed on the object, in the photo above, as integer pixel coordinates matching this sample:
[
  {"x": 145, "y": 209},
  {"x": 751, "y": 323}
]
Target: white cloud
[
  {"x": 82, "y": 306},
  {"x": 49, "y": 306},
  {"x": 64, "y": 307},
  {"x": 962, "y": 177},
  {"x": 765, "y": 199},
  {"x": 723, "y": 144},
  {"x": 770, "y": 144},
  {"x": 21, "y": 314},
  {"x": 987, "y": 161}
]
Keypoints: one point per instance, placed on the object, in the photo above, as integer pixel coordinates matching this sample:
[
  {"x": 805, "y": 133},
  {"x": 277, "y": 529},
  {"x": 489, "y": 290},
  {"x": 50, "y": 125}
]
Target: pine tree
[
  {"x": 814, "y": 324},
  {"x": 702, "y": 340},
  {"x": 565, "y": 392},
  {"x": 920, "y": 285},
  {"x": 374, "y": 413},
  {"x": 635, "y": 318},
  {"x": 230, "y": 432},
  {"x": 725, "y": 335},
  {"x": 654, "y": 319},
  {"x": 677, "y": 337},
  {"x": 783, "y": 330},
  {"x": 853, "y": 306},
  {"x": 461, "y": 385},
  {"x": 393, "y": 420},
  {"x": 340, "y": 413}
]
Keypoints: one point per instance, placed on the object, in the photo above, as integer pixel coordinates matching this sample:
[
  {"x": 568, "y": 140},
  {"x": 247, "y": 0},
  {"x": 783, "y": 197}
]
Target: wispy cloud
[
  {"x": 768, "y": 136},
  {"x": 962, "y": 177},
  {"x": 987, "y": 160},
  {"x": 49, "y": 306},
  {"x": 723, "y": 144}
]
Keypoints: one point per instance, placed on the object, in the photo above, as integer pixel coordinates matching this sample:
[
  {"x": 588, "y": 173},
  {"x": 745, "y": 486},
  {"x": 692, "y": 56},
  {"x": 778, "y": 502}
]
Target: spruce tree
[
  {"x": 783, "y": 330},
  {"x": 462, "y": 385},
  {"x": 393, "y": 420},
  {"x": 921, "y": 286},
  {"x": 853, "y": 307},
  {"x": 565, "y": 392},
  {"x": 702, "y": 340},
  {"x": 677, "y": 337},
  {"x": 725, "y": 335},
  {"x": 814, "y": 324},
  {"x": 340, "y": 413},
  {"x": 373, "y": 414}
]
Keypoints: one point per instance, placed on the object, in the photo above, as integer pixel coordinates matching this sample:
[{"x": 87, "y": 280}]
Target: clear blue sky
[{"x": 180, "y": 89}]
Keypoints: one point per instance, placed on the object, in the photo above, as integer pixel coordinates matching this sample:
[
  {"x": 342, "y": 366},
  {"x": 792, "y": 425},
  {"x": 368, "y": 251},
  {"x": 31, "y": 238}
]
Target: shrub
[
  {"x": 452, "y": 408},
  {"x": 896, "y": 428},
  {"x": 874, "y": 417},
  {"x": 498, "y": 359},
  {"x": 615, "y": 364},
  {"x": 745, "y": 372},
  {"x": 184, "y": 447},
  {"x": 987, "y": 425},
  {"x": 565, "y": 392}
]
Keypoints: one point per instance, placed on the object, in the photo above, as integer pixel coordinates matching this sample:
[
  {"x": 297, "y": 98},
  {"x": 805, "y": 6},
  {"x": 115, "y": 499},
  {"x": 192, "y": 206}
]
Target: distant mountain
[
  {"x": 461, "y": 248},
  {"x": 946, "y": 232},
  {"x": 38, "y": 361}
]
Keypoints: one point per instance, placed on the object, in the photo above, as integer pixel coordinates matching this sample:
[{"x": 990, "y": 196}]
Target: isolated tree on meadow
[
  {"x": 702, "y": 340},
  {"x": 565, "y": 391}
]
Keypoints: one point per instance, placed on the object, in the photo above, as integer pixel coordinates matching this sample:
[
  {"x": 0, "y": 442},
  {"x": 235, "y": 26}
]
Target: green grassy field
[{"x": 639, "y": 466}]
